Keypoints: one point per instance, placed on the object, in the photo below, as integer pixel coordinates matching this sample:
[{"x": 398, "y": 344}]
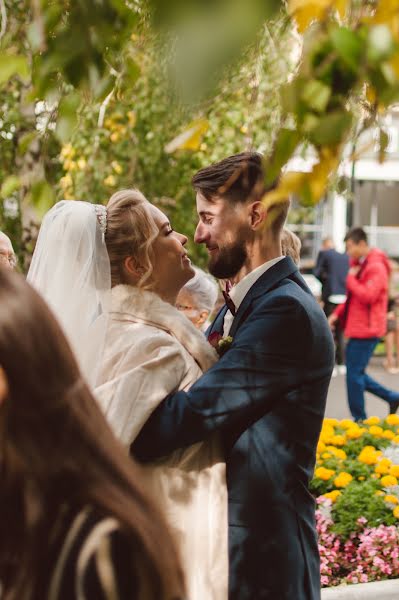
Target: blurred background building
[{"x": 371, "y": 199}]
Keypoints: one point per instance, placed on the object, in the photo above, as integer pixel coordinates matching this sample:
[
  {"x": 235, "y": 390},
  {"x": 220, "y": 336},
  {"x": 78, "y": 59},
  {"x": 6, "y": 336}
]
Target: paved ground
[{"x": 337, "y": 404}]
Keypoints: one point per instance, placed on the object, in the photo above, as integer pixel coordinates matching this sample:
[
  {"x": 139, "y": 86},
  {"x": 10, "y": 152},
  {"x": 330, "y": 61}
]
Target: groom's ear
[
  {"x": 257, "y": 214},
  {"x": 132, "y": 267}
]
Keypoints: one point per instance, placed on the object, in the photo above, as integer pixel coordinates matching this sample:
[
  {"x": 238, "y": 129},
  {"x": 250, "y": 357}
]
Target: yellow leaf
[
  {"x": 306, "y": 11},
  {"x": 190, "y": 139},
  {"x": 290, "y": 183},
  {"x": 341, "y": 6},
  {"x": 318, "y": 178}
]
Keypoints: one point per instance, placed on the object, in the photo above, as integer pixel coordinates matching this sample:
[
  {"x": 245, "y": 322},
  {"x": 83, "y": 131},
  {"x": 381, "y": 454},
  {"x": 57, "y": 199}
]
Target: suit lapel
[
  {"x": 281, "y": 270},
  {"x": 218, "y": 322}
]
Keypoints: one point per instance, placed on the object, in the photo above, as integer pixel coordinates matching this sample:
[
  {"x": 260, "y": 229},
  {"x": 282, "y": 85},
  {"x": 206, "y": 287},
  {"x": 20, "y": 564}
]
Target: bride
[{"x": 112, "y": 277}]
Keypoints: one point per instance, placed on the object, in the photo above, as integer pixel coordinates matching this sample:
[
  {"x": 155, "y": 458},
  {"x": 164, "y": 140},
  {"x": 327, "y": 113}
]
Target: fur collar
[{"x": 146, "y": 307}]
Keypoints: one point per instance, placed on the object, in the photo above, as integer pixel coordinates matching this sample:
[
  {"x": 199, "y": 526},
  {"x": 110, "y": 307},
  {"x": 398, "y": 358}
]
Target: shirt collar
[{"x": 240, "y": 290}]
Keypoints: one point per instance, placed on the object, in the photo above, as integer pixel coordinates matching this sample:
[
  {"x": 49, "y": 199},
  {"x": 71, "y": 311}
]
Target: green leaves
[
  {"x": 13, "y": 64},
  {"x": 284, "y": 147},
  {"x": 349, "y": 45},
  {"x": 10, "y": 185},
  {"x": 67, "y": 116},
  {"x": 316, "y": 95},
  {"x": 42, "y": 197},
  {"x": 331, "y": 129}
]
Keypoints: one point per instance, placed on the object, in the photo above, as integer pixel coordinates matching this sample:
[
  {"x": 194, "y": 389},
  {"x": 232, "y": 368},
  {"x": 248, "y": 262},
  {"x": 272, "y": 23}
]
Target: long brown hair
[
  {"x": 56, "y": 449},
  {"x": 131, "y": 231}
]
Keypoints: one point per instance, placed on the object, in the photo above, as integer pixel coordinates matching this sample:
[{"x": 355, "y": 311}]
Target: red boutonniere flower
[{"x": 221, "y": 344}]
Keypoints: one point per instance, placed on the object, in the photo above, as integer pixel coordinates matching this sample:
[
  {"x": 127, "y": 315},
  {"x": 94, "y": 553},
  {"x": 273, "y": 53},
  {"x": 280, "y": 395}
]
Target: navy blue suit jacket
[
  {"x": 331, "y": 269},
  {"x": 266, "y": 396}
]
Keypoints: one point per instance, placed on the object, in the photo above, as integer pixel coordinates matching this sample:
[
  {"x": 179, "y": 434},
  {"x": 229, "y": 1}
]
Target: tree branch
[{"x": 3, "y": 13}]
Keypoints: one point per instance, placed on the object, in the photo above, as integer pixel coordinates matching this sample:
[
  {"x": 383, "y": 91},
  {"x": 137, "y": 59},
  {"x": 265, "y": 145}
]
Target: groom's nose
[{"x": 200, "y": 234}]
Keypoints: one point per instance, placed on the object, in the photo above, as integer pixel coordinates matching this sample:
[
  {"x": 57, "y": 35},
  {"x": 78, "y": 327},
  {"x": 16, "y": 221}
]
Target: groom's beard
[{"x": 230, "y": 259}]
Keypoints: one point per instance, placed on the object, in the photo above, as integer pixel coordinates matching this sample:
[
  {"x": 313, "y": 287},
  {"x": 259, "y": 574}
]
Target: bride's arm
[
  {"x": 265, "y": 365},
  {"x": 137, "y": 380}
]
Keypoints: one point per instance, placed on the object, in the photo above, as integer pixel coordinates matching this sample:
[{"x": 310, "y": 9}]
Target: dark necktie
[{"x": 229, "y": 303}]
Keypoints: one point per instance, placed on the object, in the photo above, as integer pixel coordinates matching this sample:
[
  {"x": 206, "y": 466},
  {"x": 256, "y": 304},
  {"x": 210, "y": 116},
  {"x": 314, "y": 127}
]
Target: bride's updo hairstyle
[{"x": 131, "y": 231}]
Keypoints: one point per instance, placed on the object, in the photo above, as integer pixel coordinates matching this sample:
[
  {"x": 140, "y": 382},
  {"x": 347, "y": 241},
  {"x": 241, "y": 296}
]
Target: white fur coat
[{"x": 152, "y": 350}]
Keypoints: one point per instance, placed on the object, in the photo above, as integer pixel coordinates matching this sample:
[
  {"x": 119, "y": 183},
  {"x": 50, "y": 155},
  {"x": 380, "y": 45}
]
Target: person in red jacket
[{"x": 363, "y": 317}]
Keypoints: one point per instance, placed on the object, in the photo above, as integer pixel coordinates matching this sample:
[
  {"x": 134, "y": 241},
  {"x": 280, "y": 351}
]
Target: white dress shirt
[{"x": 240, "y": 290}]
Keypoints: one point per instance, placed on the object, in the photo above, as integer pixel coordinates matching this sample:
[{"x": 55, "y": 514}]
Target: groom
[{"x": 265, "y": 396}]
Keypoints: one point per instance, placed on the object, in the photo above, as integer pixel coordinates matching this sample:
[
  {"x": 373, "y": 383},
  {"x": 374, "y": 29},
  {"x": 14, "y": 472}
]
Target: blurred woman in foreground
[{"x": 75, "y": 522}]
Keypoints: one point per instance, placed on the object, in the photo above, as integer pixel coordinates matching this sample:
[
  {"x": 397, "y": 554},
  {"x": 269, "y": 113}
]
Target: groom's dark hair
[
  {"x": 236, "y": 178},
  {"x": 239, "y": 178}
]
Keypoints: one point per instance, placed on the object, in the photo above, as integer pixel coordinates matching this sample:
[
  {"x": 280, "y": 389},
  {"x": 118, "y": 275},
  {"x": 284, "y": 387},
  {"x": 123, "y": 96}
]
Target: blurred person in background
[
  {"x": 331, "y": 270},
  {"x": 291, "y": 245},
  {"x": 197, "y": 298},
  {"x": 76, "y": 522},
  {"x": 364, "y": 319},
  {"x": 7, "y": 255}
]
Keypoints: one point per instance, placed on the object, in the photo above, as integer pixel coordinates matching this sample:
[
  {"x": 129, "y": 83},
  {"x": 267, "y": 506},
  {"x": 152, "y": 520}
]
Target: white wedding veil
[{"x": 70, "y": 268}]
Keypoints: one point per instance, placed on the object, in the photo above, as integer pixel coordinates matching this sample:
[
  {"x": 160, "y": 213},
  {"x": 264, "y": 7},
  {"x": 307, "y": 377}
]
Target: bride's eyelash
[{"x": 169, "y": 231}]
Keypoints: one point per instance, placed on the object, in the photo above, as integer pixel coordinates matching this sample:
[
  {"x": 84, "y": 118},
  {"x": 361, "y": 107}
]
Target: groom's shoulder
[{"x": 290, "y": 294}]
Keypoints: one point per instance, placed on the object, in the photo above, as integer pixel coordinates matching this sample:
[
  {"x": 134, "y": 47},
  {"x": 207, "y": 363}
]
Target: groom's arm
[{"x": 264, "y": 363}]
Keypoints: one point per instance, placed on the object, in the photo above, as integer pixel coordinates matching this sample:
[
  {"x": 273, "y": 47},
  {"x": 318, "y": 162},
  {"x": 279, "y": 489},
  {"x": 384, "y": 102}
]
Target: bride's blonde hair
[{"x": 131, "y": 231}]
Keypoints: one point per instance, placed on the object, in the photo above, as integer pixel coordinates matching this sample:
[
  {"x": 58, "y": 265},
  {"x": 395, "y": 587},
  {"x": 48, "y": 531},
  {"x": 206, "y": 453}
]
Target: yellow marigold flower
[
  {"x": 392, "y": 419},
  {"x": 338, "y": 452},
  {"x": 372, "y": 421},
  {"x": 320, "y": 447},
  {"x": 379, "y": 493},
  {"x": 333, "y": 495},
  {"x": 326, "y": 455},
  {"x": 361, "y": 478},
  {"x": 391, "y": 499},
  {"x": 369, "y": 455},
  {"x": 81, "y": 164},
  {"x": 331, "y": 422},
  {"x": 116, "y": 167},
  {"x": 396, "y": 512},
  {"x": 114, "y": 137},
  {"x": 394, "y": 470},
  {"x": 353, "y": 433},
  {"x": 396, "y": 439},
  {"x": 376, "y": 476},
  {"x": 388, "y": 434},
  {"x": 388, "y": 481},
  {"x": 326, "y": 438},
  {"x": 347, "y": 424},
  {"x": 343, "y": 479},
  {"x": 324, "y": 474},
  {"x": 383, "y": 466},
  {"x": 376, "y": 430},
  {"x": 338, "y": 440},
  {"x": 110, "y": 181}
]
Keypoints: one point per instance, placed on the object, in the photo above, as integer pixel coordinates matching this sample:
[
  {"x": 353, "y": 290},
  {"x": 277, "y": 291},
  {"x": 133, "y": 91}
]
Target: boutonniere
[{"x": 220, "y": 343}]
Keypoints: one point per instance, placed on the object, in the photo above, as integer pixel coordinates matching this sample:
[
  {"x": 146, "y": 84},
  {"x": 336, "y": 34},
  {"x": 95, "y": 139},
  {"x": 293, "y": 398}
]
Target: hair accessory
[{"x": 101, "y": 213}]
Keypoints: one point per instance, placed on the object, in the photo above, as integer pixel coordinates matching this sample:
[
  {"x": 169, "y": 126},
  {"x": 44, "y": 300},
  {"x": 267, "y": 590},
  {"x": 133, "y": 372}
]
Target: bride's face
[{"x": 171, "y": 265}]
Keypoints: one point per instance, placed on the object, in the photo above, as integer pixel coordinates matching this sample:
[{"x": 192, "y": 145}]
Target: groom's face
[{"x": 224, "y": 229}]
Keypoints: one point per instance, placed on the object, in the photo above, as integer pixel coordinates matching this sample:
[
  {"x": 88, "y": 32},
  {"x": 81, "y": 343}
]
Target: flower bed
[{"x": 356, "y": 483}]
